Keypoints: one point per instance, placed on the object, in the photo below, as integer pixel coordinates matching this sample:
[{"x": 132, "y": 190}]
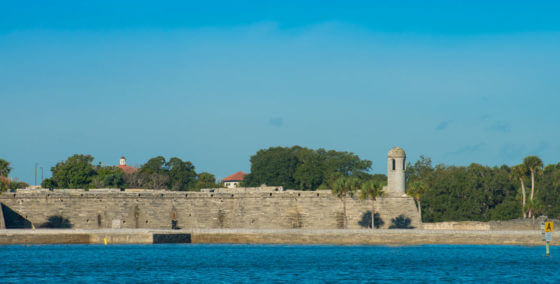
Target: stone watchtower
[{"x": 396, "y": 165}]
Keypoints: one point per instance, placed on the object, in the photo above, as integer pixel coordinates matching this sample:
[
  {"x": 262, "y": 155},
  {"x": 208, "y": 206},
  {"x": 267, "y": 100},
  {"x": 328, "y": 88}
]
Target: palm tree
[
  {"x": 4, "y": 168},
  {"x": 417, "y": 190},
  {"x": 342, "y": 188},
  {"x": 371, "y": 189},
  {"x": 534, "y": 164},
  {"x": 534, "y": 207},
  {"x": 519, "y": 172}
]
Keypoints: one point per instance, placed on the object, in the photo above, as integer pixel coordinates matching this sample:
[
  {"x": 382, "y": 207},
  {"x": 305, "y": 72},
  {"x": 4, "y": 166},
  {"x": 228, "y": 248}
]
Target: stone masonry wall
[{"x": 201, "y": 210}]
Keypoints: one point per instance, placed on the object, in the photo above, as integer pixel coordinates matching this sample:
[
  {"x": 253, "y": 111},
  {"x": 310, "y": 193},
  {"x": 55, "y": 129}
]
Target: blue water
[{"x": 276, "y": 263}]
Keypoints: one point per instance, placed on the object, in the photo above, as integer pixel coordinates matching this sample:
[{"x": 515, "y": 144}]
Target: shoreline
[{"x": 273, "y": 236}]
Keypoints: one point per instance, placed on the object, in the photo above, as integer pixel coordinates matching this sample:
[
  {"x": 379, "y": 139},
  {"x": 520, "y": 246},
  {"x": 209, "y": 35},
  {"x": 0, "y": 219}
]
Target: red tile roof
[
  {"x": 127, "y": 169},
  {"x": 238, "y": 176}
]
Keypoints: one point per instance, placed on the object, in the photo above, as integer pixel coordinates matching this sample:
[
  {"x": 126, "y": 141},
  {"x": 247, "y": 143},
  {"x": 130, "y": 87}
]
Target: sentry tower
[{"x": 396, "y": 166}]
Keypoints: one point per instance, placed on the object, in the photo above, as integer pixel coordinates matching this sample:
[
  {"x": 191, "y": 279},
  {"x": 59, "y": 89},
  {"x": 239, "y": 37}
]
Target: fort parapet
[{"x": 262, "y": 188}]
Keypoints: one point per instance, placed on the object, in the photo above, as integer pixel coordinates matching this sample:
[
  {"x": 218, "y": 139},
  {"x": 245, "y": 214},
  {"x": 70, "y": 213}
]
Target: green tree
[
  {"x": 134, "y": 179},
  {"x": 76, "y": 172},
  {"x": 534, "y": 164},
  {"x": 346, "y": 163},
  {"x": 473, "y": 193},
  {"x": 182, "y": 175},
  {"x": 206, "y": 180},
  {"x": 417, "y": 190},
  {"x": 4, "y": 183},
  {"x": 381, "y": 178},
  {"x": 14, "y": 184},
  {"x": 154, "y": 174},
  {"x": 555, "y": 175},
  {"x": 274, "y": 166},
  {"x": 422, "y": 170},
  {"x": 303, "y": 168},
  {"x": 310, "y": 171},
  {"x": 154, "y": 165},
  {"x": 518, "y": 173},
  {"x": 4, "y": 171},
  {"x": 115, "y": 180},
  {"x": 345, "y": 187},
  {"x": 108, "y": 176},
  {"x": 371, "y": 189},
  {"x": 506, "y": 210},
  {"x": 534, "y": 207},
  {"x": 4, "y": 168},
  {"x": 549, "y": 190},
  {"x": 49, "y": 183}
]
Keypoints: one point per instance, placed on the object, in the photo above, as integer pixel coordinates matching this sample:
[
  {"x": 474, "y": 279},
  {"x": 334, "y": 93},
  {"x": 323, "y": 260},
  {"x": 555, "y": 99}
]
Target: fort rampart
[{"x": 199, "y": 210}]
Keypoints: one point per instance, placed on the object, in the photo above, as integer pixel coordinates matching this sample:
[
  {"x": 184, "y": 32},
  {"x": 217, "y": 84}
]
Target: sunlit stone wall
[{"x": 158, "y": 209}]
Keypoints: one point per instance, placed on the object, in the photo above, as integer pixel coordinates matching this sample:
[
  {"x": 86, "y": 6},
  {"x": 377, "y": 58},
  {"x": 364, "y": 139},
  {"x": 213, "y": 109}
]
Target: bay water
[{"x": 199, "y": 263}]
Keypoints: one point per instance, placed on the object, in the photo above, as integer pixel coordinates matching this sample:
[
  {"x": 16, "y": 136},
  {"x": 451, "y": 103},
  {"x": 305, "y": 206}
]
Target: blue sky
[{"x": 212, "y": 82}]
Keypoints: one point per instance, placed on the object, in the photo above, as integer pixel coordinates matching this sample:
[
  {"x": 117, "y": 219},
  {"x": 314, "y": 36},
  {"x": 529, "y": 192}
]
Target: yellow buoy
[{"x": 105, "y": 240}]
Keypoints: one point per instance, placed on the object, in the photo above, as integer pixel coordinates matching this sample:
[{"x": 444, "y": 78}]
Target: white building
[{"x": 234, "y": 180}]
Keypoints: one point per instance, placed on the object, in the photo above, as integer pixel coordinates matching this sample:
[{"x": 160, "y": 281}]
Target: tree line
[
  {"x": 78, "y": 171},
  {"x": 482, "y": 193},
  {"x": 305, "y": 169}
]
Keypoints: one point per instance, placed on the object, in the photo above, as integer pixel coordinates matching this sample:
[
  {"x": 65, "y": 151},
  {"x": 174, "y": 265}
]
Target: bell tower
[{"x": 396, "y": 166}]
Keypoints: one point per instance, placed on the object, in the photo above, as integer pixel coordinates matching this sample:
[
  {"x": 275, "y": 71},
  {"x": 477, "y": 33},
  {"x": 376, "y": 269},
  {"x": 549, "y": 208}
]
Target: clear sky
[{"x": 212, "y": 82}]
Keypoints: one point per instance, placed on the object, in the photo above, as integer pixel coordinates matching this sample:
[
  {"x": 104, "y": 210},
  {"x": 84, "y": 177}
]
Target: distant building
[
  {"x": 234, "y": 180},
  {"x": 125, "y": 168}
]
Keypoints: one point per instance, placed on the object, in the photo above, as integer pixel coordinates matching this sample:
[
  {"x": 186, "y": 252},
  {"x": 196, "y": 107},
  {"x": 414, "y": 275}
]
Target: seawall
[
  {"x": 198, "y": 210},
  {"x": 286, "y": 236}
]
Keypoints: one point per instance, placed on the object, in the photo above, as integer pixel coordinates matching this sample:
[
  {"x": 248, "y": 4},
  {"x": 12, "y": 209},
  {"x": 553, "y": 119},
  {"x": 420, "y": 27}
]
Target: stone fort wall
[{"x": 202, "y": 210}]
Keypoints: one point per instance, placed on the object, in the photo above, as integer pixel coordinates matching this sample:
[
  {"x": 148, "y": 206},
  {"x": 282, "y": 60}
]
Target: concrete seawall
[{"x": 287, "y": 236}]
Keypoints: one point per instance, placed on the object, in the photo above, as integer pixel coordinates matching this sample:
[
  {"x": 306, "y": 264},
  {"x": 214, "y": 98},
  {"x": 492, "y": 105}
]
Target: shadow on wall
[
  {"x": 14, "y": 220},
  {"x": 57, "y": 222},
  {"x": 366, "y": 220},
  {"x": 401, "y": 222}
]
